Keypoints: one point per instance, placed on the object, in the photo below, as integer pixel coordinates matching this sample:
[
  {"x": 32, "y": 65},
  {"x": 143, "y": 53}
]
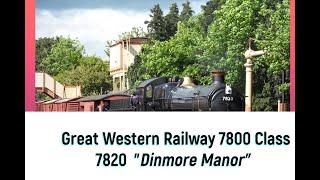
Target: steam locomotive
[
  {"x": 158, "y": 94},
  {"x": 174, "y": 94}
]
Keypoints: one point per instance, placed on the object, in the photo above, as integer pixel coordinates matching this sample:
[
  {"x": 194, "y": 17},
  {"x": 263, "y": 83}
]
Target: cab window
[{"x": 149, "y": 91}]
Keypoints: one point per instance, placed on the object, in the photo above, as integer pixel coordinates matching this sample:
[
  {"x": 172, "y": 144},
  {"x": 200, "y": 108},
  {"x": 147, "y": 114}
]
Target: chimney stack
[{"x": 218, "y": 76}]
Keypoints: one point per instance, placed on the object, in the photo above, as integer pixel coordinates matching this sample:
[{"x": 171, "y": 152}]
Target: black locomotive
[{"x": 174, "y": 94}]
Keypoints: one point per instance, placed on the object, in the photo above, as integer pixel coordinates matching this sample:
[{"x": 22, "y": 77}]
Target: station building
[{"x": 122, "y": 55}]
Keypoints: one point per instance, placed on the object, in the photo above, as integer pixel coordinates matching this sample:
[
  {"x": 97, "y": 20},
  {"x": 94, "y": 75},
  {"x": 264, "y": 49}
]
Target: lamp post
[{"x": 249, "y": 55}]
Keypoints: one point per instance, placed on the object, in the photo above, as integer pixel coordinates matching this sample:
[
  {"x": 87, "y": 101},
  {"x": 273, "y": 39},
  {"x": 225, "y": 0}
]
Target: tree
[
  {"x": 91, "y": 74},
  {"x": 189, "y": 52},
  {"x": 227, "y": 38},
  {"x": 42, "y": 97},
  {"x": 108, "y": 46},
  {"x": 64, "y": 55},
  {"x": 135, "y": 32},
  {"x": 208, "y": 12},
  {"x": 156, "y": 26},
  {"x": 175, "y": 57},
  {"x": 273, "y": 34},
  {"x": 228, "y": 34},
  {"x": 136, "y": 72},
  {"x": 43, "y": 49},
  {"x": 186, "y": 12},
  {"x": 171, "y": 20}
]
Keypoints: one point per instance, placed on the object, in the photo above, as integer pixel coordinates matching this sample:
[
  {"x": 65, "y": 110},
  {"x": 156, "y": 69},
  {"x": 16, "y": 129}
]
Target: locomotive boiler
[{"x": 174, "y": 94}]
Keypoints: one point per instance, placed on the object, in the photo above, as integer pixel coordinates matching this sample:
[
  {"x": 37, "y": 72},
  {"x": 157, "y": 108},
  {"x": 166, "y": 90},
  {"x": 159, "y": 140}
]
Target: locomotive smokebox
[{"x": 218, "y": 76}]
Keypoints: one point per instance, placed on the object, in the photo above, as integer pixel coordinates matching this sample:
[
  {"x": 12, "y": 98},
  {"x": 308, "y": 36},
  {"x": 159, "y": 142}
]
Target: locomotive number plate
[{"x": 227, "y": 98}]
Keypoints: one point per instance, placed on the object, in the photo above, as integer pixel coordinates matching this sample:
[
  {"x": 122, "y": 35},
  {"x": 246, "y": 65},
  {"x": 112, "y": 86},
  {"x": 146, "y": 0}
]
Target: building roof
[
  {"x": 137, "y": 40},
  {"x": 119, "y": 93},
  {"x": 92, "y": 98},
  {"x": 101, "y": 97},
  {"x": 51, "y": 101},
  {"x": 66, "y": 100},
  {"x": 38, "y": 102}
]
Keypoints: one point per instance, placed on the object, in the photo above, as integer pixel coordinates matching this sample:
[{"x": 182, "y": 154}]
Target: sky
[{"x": 94, "y": 22}]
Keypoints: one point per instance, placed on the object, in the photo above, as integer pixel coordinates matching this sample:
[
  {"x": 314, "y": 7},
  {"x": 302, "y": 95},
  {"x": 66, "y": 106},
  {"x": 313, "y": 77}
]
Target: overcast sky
[{"x": 94, "y": 22}]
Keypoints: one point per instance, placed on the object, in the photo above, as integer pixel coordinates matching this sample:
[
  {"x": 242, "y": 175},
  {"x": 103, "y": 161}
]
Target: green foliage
[
  {"x": 263, "y": 100},
  {"x": 217, "y": 39},
  {"x": 208, "y": 13},
  {"x": 234, "y": 24},
  {"x": 171, "y": 20},
  {"x": 186, "y": 12},
  {"x": 135, "y": 32},
  {"x": 91, "y": 74},
  {"x": 157, "y": 26},
  {"x": 135, "y": 73},
  {"x": 283, "y": 88},
  {"x": 43, "y": 49},
  {"x": 178, "y": 56},
  {"x": 227, "y": 38},
  {"x": 107, "y": 50},
  {"x": 273, "y": 34},
  {"x": 42, "y": 97},
  {"x": 64, "y": 56}
]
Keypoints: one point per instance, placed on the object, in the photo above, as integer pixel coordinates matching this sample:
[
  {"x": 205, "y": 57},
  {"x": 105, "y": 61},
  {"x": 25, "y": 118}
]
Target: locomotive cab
[{"x": 146, "y": 92}]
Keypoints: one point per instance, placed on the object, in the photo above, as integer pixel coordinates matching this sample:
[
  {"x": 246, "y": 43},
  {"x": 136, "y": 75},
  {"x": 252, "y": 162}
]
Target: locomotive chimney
[{"x": 218, "y": 76}]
